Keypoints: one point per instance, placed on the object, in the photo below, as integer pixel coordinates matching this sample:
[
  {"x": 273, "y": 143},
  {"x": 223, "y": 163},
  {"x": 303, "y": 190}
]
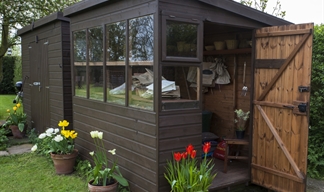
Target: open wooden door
[{"x": 282, "y": 73}]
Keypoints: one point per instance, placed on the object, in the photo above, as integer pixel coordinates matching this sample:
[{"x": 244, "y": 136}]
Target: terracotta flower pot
[
  {"x": 99, "y": 188},
  {"x": 64, "y": 163},
  {"x": 16, "y": 132}
]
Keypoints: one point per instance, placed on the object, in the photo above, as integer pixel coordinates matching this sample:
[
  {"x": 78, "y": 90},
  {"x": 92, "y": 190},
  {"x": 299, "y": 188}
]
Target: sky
[{"x": 301, "y": 11}]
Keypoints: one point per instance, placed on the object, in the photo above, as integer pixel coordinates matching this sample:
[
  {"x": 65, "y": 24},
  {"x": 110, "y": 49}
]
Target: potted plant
[
  {"x": 16, "y": 121},
  {"x": 60, "y": 145},
  {"x": 102, "y": 177},
  {"x": 184, "y": 174},
  {"x": 241, "y": 119}
]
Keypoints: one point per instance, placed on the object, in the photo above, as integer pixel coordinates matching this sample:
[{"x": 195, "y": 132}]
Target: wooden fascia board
[
  {"x": 246, "y": 11},
  {"x": 43, "y": 21},
  {"x": 81, "y": 6}
]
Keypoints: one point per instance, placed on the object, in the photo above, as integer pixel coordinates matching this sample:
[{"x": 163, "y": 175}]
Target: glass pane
[
  {"x": 179, "y": 87},
  {"x": 116, "y": 47},
  {"x": 80, "y": 55},
  {"x": 141, "y": 37},
  {"x": 181, "y": 39},
  {"x": 96, "y": 63}
]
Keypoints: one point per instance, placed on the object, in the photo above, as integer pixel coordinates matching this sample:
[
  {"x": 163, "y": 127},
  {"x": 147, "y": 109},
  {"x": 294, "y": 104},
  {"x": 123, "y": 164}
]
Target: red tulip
[
  {"x": 189, "y": 149},
  {"x": 206, "y": 147},
  {"x": 193, "y": 154},
  {"x": 184, "y": 155},
  {"x": 177, "y": 156}
]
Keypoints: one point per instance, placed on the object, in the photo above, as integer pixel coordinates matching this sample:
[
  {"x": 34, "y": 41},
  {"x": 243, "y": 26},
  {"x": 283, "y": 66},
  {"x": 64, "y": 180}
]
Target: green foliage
[
  {"x": 3, "y": 138},
  {"x": 5, "y": 103},
  {"x": 18, "y": 70},
  {"x": 16, "y": 116},
  {"x": 7, "y": 85},
  {"x": 261, "y": 5},
  {"x": 316, "y": 131}
]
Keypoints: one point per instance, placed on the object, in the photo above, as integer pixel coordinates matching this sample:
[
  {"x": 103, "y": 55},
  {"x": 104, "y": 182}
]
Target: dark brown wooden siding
[
  {"x": 53, "y": 33},
  {"x": 132, "y": 132}
]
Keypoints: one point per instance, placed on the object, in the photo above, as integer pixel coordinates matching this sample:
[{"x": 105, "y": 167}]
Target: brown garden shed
[
  {"x": 46, "y": 69},
  {"x": 142, "y": 75}
]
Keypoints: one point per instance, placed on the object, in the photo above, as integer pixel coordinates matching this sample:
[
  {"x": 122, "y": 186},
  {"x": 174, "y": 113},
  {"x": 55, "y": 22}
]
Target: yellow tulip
[
  {"x": 18, "y": 105},
  {"x": 63, "y": 124},
  {"x": 14, "y": 108},
  {"x": 8, "y": 110}
]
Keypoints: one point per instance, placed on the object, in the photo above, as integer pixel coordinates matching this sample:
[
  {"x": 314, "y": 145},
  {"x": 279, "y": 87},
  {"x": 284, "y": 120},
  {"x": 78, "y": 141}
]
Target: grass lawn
[
  {"x": 34, "y": 172},
  {"x": 5, "y": 103}
]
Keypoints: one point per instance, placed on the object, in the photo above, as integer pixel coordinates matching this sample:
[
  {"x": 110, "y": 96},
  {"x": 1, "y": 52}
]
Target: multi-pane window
[{"x": 80, "y": 58}]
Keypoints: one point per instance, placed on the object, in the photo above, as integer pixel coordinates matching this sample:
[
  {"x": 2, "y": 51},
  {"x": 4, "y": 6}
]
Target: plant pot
[
  {"x": 64, "y": 163},
  {"x": 16, "y": 132},
  {"x": 240, "y": 134},
  {"x": 99, "y": 188}
]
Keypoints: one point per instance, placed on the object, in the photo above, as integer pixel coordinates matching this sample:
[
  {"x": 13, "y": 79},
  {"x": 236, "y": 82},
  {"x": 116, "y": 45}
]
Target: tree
[
  {"x": 17, "y": 13},
  {"x": 262, "y": 5}
]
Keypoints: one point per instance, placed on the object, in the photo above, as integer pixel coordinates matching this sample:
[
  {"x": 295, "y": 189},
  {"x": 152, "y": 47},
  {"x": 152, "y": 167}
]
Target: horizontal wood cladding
[
  {"x": 179, "y": 119},
  {"x": 146, "y": 117}
]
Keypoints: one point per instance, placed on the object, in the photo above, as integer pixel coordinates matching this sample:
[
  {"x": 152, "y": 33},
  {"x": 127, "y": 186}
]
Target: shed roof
[
  {"x": 43, "y": 21},
  {"x": 227, "y": 5}
]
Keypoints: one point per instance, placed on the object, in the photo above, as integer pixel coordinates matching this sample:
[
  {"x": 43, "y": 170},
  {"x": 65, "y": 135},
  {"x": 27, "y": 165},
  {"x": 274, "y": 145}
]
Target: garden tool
[{"x": 245, "y": 88}]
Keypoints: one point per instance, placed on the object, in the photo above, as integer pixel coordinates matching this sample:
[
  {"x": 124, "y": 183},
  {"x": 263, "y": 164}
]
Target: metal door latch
[
  {"x": 302, "y": 107},
  {"x": 303, "y": 89}
]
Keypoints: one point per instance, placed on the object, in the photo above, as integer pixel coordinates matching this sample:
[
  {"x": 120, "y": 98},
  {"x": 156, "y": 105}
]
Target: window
[
  {"x": 141, "y": 54},
  {"x": 179, "y": 87},
  {"x": 127, "y": 48},
  {"x": 96, "y": 63},
  {"x": 80, "y": 58},
  {"x": 181, "y": 38},
  {"x": 115, "y": 62}
]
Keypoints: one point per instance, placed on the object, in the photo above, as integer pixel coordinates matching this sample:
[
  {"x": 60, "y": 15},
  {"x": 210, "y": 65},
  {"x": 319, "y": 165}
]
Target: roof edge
[
  {"x": 43, "y": 21},
  {"x": 81, "y": 6},
  {"x": 246, "y": 11}
]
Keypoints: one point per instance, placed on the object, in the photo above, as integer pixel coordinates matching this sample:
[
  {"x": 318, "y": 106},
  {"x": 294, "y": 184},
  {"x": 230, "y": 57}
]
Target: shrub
[{"x": 7, "y": 85}]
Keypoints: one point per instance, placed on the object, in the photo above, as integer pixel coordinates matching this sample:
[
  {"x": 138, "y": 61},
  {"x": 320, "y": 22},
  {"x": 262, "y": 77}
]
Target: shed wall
[
  {"x": 132, "y": 132},
  {"x": 57, "y": 35}
]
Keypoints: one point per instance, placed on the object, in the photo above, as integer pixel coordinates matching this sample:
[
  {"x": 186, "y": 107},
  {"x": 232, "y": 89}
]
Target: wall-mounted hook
[{"x": 46, "y": 42}]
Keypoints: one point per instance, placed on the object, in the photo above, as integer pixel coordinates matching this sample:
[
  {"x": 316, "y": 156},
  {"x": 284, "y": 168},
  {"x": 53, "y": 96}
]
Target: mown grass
[
  {"x": 5, "y": 103},
  {"x": 34, "y": 172}
]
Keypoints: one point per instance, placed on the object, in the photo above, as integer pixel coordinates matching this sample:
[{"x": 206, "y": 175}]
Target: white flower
[
  {"x": 42, "y": 136},
  {"x": 94, "y": 134},
  {"x": 100, "y": 134},
  {"x": 112, "y": 151},
  {"x": 34, "y": 148},
  {"x": 58, "y": 138},
  {"x": 56, "y": 130},
  {"x": 91, "y": 153}
]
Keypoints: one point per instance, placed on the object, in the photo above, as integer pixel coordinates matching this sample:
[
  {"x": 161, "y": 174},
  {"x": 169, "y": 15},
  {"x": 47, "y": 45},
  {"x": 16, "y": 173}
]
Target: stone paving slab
[
  {"x": 4, "y": 153},
  {"x": 19, "y": 149}
]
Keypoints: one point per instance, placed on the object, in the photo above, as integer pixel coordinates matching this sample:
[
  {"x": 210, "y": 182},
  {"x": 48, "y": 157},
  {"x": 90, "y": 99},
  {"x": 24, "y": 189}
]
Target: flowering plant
[
  {"x": 55, "y": 141},
  {"x": 183, "y": 173},
  {"x": 101, "y": 174},
  {"x": 241, "y": 119},
  {"x": 16, "y": 117}
]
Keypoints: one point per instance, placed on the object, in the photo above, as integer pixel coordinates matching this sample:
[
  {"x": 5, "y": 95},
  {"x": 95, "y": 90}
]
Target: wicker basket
[
  {"x": 219, "y": 45},
  {"x": 231, "y": 44},
  {"x": 210, "y": 47}
]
